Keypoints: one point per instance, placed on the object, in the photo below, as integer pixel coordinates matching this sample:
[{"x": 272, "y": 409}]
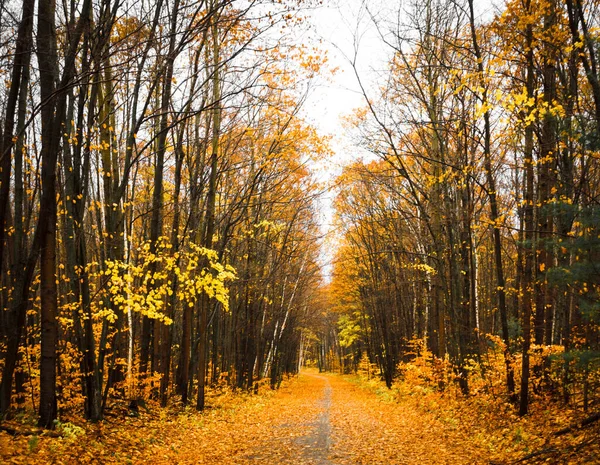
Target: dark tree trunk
[
  {"x": 528, "y": 272},
  {"x": 17, "y": 96},
  {"x": 47, "y": 57},
  {"x": 494, "y": 216},
  {"x": 547, "y": 181},
  {"x": 53, "y": 115},
  {"x": 211, "y": 199}
]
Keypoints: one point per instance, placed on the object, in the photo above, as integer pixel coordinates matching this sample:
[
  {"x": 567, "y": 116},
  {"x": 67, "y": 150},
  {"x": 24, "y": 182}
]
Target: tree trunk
[
  {"x": 47, "y": 57},
  {"x": 17, "y": 96},
  {"x": 211, "y": 197},
  {"x": 547, "y": 181},
  {"x": 494, "y": 214},
  {"x": 528, "y": 272}
]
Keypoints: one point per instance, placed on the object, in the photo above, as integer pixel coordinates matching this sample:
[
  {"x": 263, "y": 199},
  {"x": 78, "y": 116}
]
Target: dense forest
[
  {"x": 470, "y": 239},
  {"x": 161, "y": 216},
  {"x": 157, "y": 207}
]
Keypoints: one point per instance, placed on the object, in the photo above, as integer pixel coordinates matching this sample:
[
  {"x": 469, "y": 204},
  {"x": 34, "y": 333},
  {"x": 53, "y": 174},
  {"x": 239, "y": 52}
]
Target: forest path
[
  {"x": 328, "y": 420},
  {"x": 315, "y": 419},
  {"x": 304, "y": 434}
]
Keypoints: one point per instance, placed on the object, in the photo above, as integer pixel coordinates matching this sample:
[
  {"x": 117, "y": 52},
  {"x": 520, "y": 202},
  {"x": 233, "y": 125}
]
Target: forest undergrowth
[
  {"x": 551, "y": 432},
  {"x": 413, "y": 422},
  {"x": 230, "y": 430}
]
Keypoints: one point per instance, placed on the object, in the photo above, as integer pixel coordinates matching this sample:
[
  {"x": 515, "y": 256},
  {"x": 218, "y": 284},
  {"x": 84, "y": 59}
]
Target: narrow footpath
[
  {"x": 327, "y": 420},
  {"x": 316, "y": 419}
]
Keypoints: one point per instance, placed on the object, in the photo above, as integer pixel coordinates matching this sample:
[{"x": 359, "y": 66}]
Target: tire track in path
[
  {"x": 303, "y": 435},
  {"x": 316, "y": 445}
]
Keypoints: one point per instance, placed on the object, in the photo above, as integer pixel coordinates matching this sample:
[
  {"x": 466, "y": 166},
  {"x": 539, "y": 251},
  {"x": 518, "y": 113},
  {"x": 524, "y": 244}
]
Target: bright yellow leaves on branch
[
  {"x": 145, "y": 285},
  {"x": 532, "y": 108}
]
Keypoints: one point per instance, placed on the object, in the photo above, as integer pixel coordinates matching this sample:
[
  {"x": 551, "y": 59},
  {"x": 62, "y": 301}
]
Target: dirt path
[
  {"x": 303, "y": 435},
  {"x": 313, "y": 420},
  {"x": 338, "y": 423},
  {"x": 317, "y": 443}
]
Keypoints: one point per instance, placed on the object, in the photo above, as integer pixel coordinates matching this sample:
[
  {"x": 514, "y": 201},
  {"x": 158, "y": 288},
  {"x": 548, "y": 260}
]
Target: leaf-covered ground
[
  {"x": 411, "y": 425},
  {"x": 314, "y": 419}
]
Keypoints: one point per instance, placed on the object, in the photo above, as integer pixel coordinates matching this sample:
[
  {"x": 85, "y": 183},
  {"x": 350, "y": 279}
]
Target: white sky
[
  {"x": 338, "y": 23},
  {"x": 337, "y": 27},
  {"x": 345, "y": 27}
]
